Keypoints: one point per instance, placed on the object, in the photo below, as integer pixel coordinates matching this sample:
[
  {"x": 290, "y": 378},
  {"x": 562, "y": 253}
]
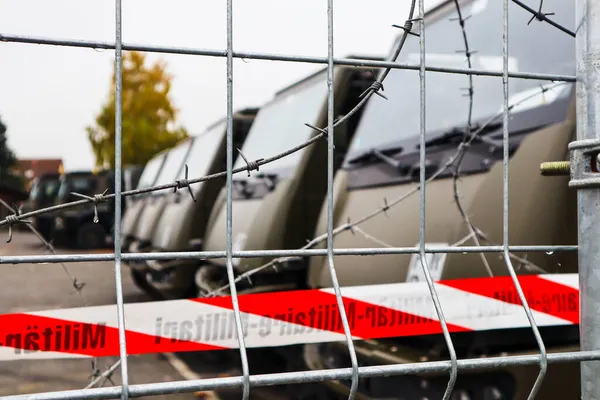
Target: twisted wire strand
[{"x": 465, "y": 147}]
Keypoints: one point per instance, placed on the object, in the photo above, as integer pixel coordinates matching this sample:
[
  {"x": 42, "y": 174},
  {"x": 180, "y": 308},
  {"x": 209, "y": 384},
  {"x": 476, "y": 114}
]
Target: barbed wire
[
  {"x": 463, "y": 147},
  {"x": 542, "y": 16},
  {"x": 375, "y": 88},
  {"x": 77, "y": 284},
  {"x": 100, "y": 378}
]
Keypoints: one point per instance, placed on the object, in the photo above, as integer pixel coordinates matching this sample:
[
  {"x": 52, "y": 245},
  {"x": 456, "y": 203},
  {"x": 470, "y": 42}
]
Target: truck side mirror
[{"x": 342, "y": 138}]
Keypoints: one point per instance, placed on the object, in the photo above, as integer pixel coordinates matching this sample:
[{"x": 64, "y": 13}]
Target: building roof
[{"x": 32, "y": 168}]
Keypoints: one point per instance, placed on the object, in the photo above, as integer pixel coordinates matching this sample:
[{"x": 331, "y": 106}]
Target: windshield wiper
[
  {"x": 242, "y": 186},
  {"x": 375, "y": 154},
  {"x": 463, "y": 133}
]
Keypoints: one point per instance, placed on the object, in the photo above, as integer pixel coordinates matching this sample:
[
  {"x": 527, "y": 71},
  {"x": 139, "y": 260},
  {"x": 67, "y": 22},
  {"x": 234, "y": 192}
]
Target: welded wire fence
[{"x": 415, "y": 25}]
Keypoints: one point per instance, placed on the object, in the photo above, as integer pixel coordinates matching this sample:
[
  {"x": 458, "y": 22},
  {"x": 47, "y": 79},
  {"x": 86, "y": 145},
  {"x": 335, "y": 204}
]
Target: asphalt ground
[{"x": 37, "y": 287}]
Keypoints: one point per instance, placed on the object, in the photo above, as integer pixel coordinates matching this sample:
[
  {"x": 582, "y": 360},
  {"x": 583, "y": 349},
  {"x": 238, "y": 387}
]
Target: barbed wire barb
[
  {"x": 375, "y": 89},
  {"x": 406, "y": 28},
  {"x": 385, "y": 207},
  {"x": 101, "y": 378},
  {"x": 184, "y": 183},
  {"x": 542, "y": 17},
  {"x": 250, "y": 165},
  {"x": 323, "y": 131},
  {"x": 14, "y": 219},
  {"x": 97, "y": 198}
]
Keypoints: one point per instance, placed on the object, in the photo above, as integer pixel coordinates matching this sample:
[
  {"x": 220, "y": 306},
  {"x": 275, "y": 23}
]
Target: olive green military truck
[
  {"x": 383, "y": 165},
  {"x": 44, "y": 190},
  {"x": 181, "y": 224},
  {"x": 155, "y": 202},
  {"x": 136, "y": 203},
  {"x": 277, "y": 207}
]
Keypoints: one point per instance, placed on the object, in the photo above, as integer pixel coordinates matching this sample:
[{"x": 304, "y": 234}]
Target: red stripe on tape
[
  {"x": 542, "y": 295},
  {"x": 25, "y": 332},
  {"x": 315, "y": 309}
]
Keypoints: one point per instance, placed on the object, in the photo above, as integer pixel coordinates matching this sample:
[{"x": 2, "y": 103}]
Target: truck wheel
[
  {"x": 139, "y": 279},
  {"x": 91, "y": 236}
]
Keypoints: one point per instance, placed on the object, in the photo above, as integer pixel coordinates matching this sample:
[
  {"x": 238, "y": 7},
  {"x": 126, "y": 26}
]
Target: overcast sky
[{"x": 49, "y": 94}]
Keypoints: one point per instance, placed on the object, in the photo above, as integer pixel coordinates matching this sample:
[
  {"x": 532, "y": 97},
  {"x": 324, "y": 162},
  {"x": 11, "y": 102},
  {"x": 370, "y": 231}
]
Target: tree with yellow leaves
[{"x": 148, "y": 115}]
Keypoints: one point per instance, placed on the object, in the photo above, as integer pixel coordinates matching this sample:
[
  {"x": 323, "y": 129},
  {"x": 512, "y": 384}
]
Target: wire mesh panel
[{"x": 484, "y": 124}]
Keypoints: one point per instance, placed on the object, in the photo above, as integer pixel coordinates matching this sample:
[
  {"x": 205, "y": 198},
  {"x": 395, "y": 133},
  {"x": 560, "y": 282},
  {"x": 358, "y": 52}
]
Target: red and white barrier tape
[{"x": 292, "y": 317}]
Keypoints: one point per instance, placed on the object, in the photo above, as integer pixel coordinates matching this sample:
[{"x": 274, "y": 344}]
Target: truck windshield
[
  {"x": 150, "y": 172},
  {"x": 537, "y": 47},
  {"x": 44, "y": 189},
  {"x": 203, "y": 151},
  {"x": 83, "y": 184},
  {"x": 175, "y": 159},
  {"x": 279, "y": 125}
]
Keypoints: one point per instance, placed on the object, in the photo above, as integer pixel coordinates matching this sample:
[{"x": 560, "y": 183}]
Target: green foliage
[
  {"x": 148, "y": 115},
  {"x": 7, "y": 157},
  {"x": 8, "y": 160}
]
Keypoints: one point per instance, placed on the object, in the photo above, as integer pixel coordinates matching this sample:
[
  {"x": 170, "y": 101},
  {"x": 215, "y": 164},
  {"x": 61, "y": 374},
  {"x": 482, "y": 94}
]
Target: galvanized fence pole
[
  {"x": 584, "y": 152},
  {"x": 118, "y": 200}
]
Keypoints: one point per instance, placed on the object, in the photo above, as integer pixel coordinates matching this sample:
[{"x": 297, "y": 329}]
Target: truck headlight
[{"x": 59, "y": 222}]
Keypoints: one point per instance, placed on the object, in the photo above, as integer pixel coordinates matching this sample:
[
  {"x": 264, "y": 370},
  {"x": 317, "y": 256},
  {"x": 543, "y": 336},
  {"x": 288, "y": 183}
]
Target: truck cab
[
  {"x": 277, "y": 206},
  {"x": 155, "y": 201},
  {"x": 183, "y": 220},
  {"x": 44, "y": 190},
  {"x": 136, "y": 203},
  {"x": 77, "y": 226}
]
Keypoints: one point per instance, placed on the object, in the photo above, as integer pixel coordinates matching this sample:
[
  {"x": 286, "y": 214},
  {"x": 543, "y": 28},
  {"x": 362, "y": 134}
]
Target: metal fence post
[{"x": 588, "y": 196}]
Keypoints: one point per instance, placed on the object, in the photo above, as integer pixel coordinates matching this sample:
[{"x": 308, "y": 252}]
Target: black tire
[
  {"x": 139, "y": 278},
  {"x": 91, "y": 236}
]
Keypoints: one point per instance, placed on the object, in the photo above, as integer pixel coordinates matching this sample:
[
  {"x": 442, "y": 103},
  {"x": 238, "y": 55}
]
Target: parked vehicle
[
  {"x": 76, "y": 226},
  {"x": 542, "y": 210},
  {"x": 43, "y": 193},
  {"x": 131, "y": 178},
  {"x": 277, "y": 207},
  {"x": 181, "y": 224},
  {"x": 136, "y": 203},
  {"x": 172, "y": 169}
]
